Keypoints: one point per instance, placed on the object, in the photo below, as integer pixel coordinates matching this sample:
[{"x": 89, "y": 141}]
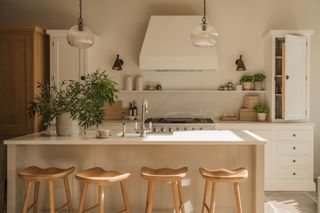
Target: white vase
[
  {"x": 65, "y": 126},
  {"x": 262, "y": 116}
]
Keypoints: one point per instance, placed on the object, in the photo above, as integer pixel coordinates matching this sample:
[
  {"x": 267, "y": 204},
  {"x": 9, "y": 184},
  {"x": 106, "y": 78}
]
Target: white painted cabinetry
[
  {"x": 67, "y": 62},
  {"x": 287, "y": 64},
  {"x": 288, "y": 154}
]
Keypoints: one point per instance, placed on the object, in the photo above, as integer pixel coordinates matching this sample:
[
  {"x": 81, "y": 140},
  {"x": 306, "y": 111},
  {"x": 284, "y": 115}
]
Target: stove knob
[
  {"x": 177, "y": 128},
  {"x": 163, "y": 130},
  {"x": 193, "y": 129},
  {"x": 201, "y": 128},
  {"x": 186, "y": 129},
  {"x": 170, "y": 130},
  {"x": 155, "y": 129}
]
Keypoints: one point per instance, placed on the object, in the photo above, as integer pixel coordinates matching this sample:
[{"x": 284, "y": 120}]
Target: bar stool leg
[
  {"x": 68, "y": 194},
  {"x": 83, "y": 197},
  {"x": 151, "y": 189},
  {"x": 204, "y": 204},
  {"x": 175, "y": 196},
  {"x": 26, "y": 197},
  {"x": 237, "y": 196},
  {"x": 213, "y": 198},
  {"x": 101, "y": 199},
  {"x": 51, "y": 194},
  {"x": 36, "y": 195},
  {"x": 125, "y": 196},
  {"x": 181, "y": 196}
]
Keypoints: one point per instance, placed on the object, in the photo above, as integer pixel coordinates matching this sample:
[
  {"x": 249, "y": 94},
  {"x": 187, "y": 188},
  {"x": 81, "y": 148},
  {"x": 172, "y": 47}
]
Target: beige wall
[{"x": 121, "y": 24}]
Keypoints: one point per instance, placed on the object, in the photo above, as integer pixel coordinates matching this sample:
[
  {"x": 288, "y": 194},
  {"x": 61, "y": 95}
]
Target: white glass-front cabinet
[
  {"x": 289, "y": 57},
  {"x": 67, "y": 62}
]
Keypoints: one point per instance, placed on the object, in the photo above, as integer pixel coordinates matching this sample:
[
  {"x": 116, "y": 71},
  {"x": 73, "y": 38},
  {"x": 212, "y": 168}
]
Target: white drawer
[
  {"x": 268, "y": 168},
  {"x": 296, "y": 135},
  {"x": 294, "y": 173},
  {"x": 295, "y": 161},
  {"x": 294, "y": 148}
]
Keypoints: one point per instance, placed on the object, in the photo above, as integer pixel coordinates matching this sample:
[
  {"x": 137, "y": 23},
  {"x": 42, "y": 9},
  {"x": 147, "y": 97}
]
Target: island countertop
[{"x": 210, "y": 137}]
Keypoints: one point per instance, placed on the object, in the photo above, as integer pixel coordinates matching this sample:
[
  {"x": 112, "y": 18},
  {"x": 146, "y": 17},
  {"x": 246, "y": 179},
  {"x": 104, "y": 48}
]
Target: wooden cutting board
[{"x": 114, "y": 111}]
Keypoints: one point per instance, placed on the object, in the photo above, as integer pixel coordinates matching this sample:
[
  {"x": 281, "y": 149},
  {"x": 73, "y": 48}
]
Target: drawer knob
[
  {"x": 294, "y": 173},
  {"x": 294, "y": 161},
  {"x": 294, "y": 148},
  {"x": 294, "y": 135}
]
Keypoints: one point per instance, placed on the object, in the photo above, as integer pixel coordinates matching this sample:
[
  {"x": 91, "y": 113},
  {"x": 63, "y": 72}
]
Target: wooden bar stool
[
  {"x": 222, "y": 176},
  {"x": 165, "y": 175},
  {"x": 37, "y": 175},
  {"x": 101, "y": 178}
]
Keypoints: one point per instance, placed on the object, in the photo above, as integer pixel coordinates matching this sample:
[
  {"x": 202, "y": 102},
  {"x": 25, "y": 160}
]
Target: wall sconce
[
  {"x": 117, "y": 65},
  {"x": 240, "y": 64}
]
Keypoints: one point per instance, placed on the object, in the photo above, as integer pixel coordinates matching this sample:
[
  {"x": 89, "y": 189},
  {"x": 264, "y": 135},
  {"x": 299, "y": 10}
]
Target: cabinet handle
[
  {"x": 294, "y": 161},
  {"x": 294, "y": 173},
  {"x": 294, "y": 147},
  {"x": 294, "y": 135}
]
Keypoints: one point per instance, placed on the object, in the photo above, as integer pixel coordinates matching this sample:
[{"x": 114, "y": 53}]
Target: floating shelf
[{"x": 191, "y": 91}]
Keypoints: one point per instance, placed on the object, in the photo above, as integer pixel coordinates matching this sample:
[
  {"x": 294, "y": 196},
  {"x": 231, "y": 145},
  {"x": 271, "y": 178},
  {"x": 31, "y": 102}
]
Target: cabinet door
[
  {"x": 15, "y": 83},
  {"x": 64, "y": 60},
  {"x": 296, "y": 82}
]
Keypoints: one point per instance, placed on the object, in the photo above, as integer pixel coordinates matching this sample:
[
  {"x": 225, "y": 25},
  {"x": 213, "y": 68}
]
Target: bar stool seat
[
  {"x": 37, "y": 175},
  {"x": 165, "y": 175},
  {"x": 222, "y": 176},
  {"x": 101, "y": 178}
]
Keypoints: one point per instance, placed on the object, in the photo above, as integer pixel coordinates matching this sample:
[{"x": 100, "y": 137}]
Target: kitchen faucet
[{"x": 144, "y": 112}]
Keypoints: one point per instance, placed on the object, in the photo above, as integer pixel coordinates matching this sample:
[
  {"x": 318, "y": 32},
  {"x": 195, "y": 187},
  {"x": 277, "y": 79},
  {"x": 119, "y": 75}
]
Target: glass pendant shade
[
  {"x": 204, "y": 35},
  {"x": 80, "y": 36}
]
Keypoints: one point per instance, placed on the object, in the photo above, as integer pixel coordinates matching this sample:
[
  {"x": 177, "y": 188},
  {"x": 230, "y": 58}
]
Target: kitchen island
[{"x": 211, "y": 149}]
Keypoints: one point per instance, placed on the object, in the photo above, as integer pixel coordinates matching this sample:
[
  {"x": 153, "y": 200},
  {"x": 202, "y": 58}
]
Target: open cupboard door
[{"x": 295, "y": 77}]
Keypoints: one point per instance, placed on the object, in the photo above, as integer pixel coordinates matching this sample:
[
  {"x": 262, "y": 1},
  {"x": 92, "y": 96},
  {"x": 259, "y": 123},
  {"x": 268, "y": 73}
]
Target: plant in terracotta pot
[
  {"x": 262, "y": 112},
  {"x": 258, "y": 79},
  {"x": 74, "y": 104},
  {"x": 246, "y": 81}
]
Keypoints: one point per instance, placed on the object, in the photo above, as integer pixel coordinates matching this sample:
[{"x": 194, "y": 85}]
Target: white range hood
[{"x": 167, "y": 46}]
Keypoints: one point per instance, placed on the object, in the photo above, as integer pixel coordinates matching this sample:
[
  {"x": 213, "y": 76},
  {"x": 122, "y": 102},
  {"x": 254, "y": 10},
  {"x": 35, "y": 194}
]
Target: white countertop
[{"x": 212, "y": 137}]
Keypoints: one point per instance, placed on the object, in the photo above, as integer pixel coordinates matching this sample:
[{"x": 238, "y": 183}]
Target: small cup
[
  {"x": 103, "y": 133},
  {"x": 239, "y": 87}
]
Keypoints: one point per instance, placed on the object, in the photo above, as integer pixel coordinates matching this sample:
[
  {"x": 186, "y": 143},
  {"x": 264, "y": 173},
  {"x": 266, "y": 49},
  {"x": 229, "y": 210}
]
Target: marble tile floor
[{"x": 290, "y": 202}]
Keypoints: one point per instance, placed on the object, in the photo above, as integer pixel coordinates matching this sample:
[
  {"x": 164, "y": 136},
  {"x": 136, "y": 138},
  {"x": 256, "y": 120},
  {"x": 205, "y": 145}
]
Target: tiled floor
[{"x": 290, "y": 202}]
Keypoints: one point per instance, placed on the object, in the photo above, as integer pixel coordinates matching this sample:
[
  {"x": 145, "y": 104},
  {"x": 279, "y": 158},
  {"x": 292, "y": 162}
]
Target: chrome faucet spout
[{"x": 144, "y": 112}]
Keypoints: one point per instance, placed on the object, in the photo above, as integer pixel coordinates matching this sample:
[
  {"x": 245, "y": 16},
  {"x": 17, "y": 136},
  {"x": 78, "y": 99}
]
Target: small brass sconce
[
  {"x": 117, "y": 65},
  {"x": 240, "y": 64}
]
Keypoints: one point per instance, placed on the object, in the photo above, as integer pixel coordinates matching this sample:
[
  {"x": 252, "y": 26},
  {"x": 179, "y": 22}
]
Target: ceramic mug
[{"x": 103, "y": 133}]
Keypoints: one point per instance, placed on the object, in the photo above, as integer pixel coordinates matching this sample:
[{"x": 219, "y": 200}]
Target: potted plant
[
  {"x": 74, "y": 104},
  {"x": 246, "y": 81},
  {"x": 262, "y": 112},
  {"x": 258, "y": 79}
]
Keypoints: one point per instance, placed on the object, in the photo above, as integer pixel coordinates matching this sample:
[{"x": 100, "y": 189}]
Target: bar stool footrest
[
  {"x": 92, "y": 207},
  {"x": 61, "y": 207}
]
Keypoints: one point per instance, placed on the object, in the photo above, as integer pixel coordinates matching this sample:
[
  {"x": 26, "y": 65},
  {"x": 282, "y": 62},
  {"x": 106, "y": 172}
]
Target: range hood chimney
[{"x": 167, "y": 46}]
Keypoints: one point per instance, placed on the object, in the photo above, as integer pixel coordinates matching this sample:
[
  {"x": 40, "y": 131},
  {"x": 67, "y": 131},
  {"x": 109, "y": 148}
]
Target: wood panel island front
[{"x": 194, "y": 149}]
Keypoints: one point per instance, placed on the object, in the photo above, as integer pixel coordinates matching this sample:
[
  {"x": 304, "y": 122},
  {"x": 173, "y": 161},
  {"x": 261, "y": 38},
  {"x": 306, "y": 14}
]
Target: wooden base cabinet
[{"x": 288, "y": 154}]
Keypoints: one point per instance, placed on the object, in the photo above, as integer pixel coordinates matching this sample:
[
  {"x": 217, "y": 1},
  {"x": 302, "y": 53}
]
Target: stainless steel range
[{"x": 168, "y": 125}]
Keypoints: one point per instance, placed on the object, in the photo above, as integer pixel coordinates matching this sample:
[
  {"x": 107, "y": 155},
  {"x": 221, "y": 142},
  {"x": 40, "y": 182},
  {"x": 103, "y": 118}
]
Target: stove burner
[{"x": 179, "y": 120}]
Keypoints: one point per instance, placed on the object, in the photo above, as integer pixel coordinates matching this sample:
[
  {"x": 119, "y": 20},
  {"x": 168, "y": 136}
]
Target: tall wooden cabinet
[
  {"x": 288, "y": 62},
  {"x": 23, "y": 63}
]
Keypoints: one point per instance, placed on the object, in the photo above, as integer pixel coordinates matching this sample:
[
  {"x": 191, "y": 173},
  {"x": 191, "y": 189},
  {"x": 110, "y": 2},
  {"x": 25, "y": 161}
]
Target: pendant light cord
[
  {"x": 80, "y": 19},
  {"x": 204, "y": 18}
]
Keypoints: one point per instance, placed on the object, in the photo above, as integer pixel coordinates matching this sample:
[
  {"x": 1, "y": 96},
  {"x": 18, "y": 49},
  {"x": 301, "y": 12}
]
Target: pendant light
[
  {"x": 204, "y": 35},
  {"x": 80, "y": 35}
]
